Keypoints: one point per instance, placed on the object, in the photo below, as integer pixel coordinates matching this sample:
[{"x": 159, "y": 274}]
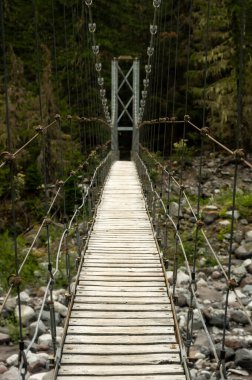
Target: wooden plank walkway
[{"x": 121, "y": 324}]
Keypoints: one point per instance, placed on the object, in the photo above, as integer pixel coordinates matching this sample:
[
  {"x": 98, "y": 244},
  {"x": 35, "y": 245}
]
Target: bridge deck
[{"x": 121, "y": 325}]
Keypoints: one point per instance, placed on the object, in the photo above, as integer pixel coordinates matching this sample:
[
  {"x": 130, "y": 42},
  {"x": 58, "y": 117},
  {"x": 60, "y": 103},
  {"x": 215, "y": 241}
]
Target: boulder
[
  {"x": 11, "y": 374},
  {"x": 239, "y": 316},
  {"x": 244, "y": 251},
  {"x": 3, "y": 368},
  {"x": 229, "y": 214},
  {"x": 238, "y": 272},
  {"x": 243, "y": 358},
  {"x": 174, "y": 209},
  {"x": 41, "y": 329},
  {"x": 4, "y": 338},
  {"x": 248, "y": 236},
  {"x": 61, "y": 309},
  {"x": 24, "y": 297},
  {"x": 27, "y": 314},
  {"x": 215, "y": 317},
  {"x": 182, "y": 278},
  {"x": 46, "y": 317},
  {"x": 11, "y": 304},
  {"x": 12, "y": 360},
  {"x": 42, "y": 376}
]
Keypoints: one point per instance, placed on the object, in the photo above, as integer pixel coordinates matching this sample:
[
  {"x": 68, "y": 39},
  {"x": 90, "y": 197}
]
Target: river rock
[
  {"x": 229, "y": 214},
  {"x": 41, "y": 328},
  {"x": 201, "y": 283},
  {"x": 4, "y": 338},
  {"x": 239, "y": 316},
  {"x": 11, "y": 374},
  {"x": 46, "y": 317},
  {"x": 42, "y": 376},
  {"x": 27, "y": 314},
  {"x": 209, "y": 216},
  {"x": 61, "y": 309},
  {"x": 11, "y": 304},
  {"x": 24, "y": 297},
  {"x": 243, "y": 358},
  {"x": 248, "y": 236},
  {"x": 215, "y": 317},
  {"x": 174, "y": 209},
  {"x": 182, "y": 278},
  {"x": 3, "y": 368},
  {"x": 238, "y": 273},
  {"x": 246, "y": 281},
  {"x": 12, "y": 360},
  {"x": 46, "y": 339},
  {"x": 244, "y": 251}
]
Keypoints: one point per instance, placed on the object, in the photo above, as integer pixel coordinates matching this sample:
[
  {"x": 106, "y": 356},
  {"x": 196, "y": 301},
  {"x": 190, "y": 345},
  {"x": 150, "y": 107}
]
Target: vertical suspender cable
[
  {"x": 15, "y": 281},
  {"x": 175, "y": 74},
  {"x": 38, "y": 62},
  {"x": 188, "y": 56},
  {"x": 239, "y": 134}
]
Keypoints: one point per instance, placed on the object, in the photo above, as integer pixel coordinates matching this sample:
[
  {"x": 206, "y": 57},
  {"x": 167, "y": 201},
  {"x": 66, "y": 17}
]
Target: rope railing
[
  {"x": 103, "y": 167},
  {"x": 8, "y": 156},
  {"x": 197, "y": 221},
  {"x": 42, "y": 225},
  {"x": 143, "y": 172}
]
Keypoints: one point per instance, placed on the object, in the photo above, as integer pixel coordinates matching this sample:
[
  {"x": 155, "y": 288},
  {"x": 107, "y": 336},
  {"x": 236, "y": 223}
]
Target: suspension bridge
[{"x": 122, "y": 320}]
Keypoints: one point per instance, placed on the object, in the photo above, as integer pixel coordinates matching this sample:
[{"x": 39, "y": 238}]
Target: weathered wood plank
[
  {"x": 97, "y": 370},
  {"x": 121, "y": 349},
  {"x": 117, "y": 283},
  {"x": 118, "y": 279},
  {"x": 124, "y": 377},
  {"x": 116, "y": 293},
  {"x": 121, "y": 339},
  {"x": 127, "y": 270},
  {"x": 135, "y": 322},
  {"x": 132, "y": 359},
  {"x": 120, "y": 314},
  {"x": 121, "y": 300},
  {"x": 121, "y": 330},
  {"x": 115, "y": 276},
  {"x": 109, "y": 264},
  {"x": 121, "y": 307},
  {"x": 124, "y": 289}
]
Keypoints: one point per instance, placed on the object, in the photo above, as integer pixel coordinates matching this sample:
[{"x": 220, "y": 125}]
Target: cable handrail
[
  {"x": 58, "y": 255},
  {"x": 177, "y": 235},
  {"x": 45, "y": 220},
  {"x": 204, "y": 236}
]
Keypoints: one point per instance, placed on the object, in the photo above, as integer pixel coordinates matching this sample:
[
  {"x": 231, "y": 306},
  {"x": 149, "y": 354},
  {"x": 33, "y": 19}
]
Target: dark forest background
[{"x": 50, "y": 70}]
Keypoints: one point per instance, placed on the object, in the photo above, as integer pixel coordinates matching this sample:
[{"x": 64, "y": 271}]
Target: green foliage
[
  {"x": 13, "y": 328},
  {"x": 243, "y": 203},
  {"x": 8, "y": 260}
]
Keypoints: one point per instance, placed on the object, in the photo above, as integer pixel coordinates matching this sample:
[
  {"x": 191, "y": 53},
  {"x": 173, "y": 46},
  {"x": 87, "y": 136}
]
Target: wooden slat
[
  {"x": 121, "y": 330},
  {"x": 120, "y": 349},
  {"x": 122, "y": 300},
  {"x": 112, "y": 370},
  {"x": 124, "y": 322},
  {"x": 121, "y": 314},
  {"x": 131, "y": 359},
  {"x": 154, "y": 284},
  {"x": 120, "y": 339},
  {"x": 124, "y": 377},
  {"x": 121, "y": 325},
  {"x": 121, "y": 307}
]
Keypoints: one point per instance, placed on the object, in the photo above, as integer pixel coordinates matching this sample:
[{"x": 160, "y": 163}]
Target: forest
[{"x": 201, "y": 66}]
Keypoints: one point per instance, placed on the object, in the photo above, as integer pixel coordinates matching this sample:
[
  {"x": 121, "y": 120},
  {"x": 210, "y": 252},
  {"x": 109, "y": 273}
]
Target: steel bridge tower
[{"x": 125, "y": 97}]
